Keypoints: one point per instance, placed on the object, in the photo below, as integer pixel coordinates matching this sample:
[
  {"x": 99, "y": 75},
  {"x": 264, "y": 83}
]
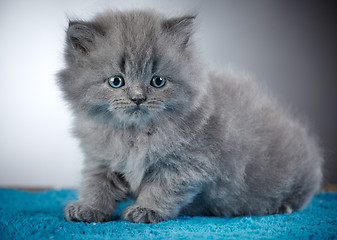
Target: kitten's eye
[
  {"x": 158, "y": 82},
  {"x": 116, "y": 81}
]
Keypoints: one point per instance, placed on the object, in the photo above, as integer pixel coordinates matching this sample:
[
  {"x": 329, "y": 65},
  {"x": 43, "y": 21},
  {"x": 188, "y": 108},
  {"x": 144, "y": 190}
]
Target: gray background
[{"x": 288, "y": 46}]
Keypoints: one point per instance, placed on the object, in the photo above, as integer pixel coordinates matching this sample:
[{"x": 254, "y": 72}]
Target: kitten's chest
[
  {"x": 119, "y": 148},
  {"x": 127, "y": 152},
  {"x": 124, "y": 152},
  {"x": 130, "y": 158}
]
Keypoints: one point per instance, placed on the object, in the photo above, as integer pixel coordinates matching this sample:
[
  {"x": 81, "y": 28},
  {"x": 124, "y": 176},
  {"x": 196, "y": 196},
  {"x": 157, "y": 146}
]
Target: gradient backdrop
[{"x": 288, "y": 46}]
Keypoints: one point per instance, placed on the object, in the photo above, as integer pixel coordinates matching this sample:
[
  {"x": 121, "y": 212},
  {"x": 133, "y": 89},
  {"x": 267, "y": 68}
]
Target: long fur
[{"x": 207, "y": 143}]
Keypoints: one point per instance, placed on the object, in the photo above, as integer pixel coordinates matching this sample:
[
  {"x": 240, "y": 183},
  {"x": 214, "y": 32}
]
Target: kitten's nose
[{"x": 138, "y": 101}]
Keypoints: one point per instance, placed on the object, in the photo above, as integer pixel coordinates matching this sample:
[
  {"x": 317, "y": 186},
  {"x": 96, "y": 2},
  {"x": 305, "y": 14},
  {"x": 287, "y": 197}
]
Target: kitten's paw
[
  {"x": 81, "y": 212},
  {"x": 285, "y": 209},
  {"x": 136, "y": 213}
]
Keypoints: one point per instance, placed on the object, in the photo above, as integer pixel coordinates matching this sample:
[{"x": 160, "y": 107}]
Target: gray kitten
[{"x": 154, "y": 123}]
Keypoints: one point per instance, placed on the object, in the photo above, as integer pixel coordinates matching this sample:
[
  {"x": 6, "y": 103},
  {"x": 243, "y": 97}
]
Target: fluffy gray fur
[{"x": 206, "y": 143}]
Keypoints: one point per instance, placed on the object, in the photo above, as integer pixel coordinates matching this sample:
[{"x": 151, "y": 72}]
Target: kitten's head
[{"x": 132, "y": 67}]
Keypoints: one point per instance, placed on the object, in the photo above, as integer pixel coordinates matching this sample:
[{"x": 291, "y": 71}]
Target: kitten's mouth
[{"x": 136, "y": 110}]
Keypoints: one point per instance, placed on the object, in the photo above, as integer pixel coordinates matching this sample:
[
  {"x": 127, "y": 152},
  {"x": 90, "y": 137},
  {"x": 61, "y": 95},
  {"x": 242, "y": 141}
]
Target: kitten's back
[{"x": 268, "y": 153}]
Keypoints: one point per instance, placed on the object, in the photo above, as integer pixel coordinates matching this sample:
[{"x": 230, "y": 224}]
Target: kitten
[{"x": 154, "y": 123}]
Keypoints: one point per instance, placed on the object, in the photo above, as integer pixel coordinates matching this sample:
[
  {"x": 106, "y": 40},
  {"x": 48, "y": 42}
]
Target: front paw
[
  {"x": 136, "y": 213},
  {"x": 81, "y": 212}
]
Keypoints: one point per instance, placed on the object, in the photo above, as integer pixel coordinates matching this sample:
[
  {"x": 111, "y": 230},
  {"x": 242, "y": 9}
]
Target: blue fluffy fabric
[{"x": 26, "y": 215}]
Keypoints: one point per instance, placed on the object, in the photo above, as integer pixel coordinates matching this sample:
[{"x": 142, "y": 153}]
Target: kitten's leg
[
  {"x": 99, "y": 192},
  {"x": 163, "y": 194}
]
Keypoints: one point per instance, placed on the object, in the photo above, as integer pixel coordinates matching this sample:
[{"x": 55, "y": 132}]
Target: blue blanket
[{"x": 26, "y": 215}]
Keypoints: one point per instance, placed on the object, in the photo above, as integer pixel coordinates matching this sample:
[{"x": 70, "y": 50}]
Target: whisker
[
  {"x": 123, "y": 103},
  {"x": 154, "y": 101},
  {"x": 116, "y": 100}
]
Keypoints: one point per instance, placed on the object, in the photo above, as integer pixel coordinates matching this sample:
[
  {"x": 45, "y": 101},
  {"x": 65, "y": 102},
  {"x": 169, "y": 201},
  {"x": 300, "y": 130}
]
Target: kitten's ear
[
  {"x": 81, "y": 35},
  {"x": 180, "y": 27}
]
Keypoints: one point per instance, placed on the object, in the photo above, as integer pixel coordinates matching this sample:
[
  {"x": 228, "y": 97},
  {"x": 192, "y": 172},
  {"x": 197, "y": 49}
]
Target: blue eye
[
  {"x": 158, "y": 82},
  {"x": 116, "y": 81}
]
